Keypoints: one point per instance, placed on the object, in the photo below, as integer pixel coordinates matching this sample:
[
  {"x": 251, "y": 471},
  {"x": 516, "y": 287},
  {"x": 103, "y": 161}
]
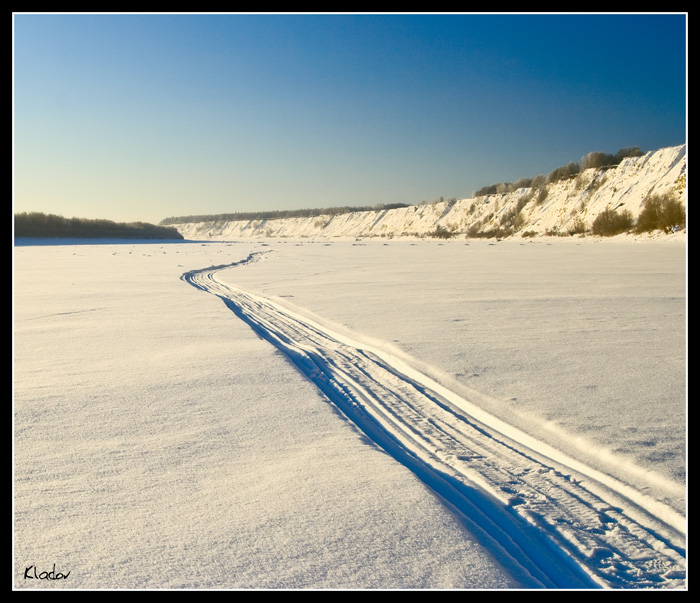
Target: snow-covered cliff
[{"x": 562, "y": 207}]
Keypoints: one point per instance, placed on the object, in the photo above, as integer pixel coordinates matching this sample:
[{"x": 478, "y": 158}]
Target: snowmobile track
[{"x": 550, "y": 523}]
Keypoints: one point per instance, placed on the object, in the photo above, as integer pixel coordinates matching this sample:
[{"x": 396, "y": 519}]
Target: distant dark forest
[
  {"x": 277, "y": 215},
  {"x": 35, "y": 224}
]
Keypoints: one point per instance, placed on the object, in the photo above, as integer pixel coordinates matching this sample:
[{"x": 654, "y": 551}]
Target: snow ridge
[
  {"x": 559, "y": 208},
  {"x": 546, "y": 519}
]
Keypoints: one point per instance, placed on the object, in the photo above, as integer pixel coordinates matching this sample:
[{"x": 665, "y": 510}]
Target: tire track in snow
[{"x": 543, "y": 516}]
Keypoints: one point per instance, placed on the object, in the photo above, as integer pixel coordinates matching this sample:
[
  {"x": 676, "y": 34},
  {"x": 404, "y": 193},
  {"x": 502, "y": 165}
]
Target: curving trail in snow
[{"x": 551, "y": 521}]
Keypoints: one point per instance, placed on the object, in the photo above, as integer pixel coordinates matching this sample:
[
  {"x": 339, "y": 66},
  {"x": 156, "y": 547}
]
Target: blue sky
[{"x": 139, "y": 117}]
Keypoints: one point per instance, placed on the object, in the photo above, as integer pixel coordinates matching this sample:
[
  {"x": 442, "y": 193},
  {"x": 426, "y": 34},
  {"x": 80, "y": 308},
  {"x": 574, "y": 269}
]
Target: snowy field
[{"x": 161, "y": 442}]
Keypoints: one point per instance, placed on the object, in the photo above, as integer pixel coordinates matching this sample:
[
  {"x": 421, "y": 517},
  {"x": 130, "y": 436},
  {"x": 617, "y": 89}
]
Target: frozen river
[{"x": 162, "y": 442}]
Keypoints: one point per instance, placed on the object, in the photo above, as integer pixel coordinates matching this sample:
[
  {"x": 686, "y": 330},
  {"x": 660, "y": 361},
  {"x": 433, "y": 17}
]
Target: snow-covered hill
[{"x": 562, "y": 207}]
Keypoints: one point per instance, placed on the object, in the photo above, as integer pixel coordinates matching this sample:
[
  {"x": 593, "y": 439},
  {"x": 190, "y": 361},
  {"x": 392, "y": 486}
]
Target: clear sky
[{"x": 134, "y": 117}]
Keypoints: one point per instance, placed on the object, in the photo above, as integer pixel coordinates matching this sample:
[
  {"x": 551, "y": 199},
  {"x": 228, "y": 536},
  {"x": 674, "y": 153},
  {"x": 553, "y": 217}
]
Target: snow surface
[{"x": 160, "y": 442}]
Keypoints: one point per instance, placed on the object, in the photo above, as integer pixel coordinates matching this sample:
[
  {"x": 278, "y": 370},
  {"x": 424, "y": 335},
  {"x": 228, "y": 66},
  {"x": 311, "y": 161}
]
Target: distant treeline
[
  {"x": 594, "y": 159},
  {"x": 36, "y": 224},
  {"x": 278, "y": 215}
]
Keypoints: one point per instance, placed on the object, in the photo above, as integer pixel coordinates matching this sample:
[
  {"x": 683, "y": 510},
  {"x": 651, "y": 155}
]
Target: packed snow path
[{"x": 551, "y": 521}]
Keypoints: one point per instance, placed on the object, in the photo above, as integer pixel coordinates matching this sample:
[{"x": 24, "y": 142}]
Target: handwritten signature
[{"x": 50, "y": 575}]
